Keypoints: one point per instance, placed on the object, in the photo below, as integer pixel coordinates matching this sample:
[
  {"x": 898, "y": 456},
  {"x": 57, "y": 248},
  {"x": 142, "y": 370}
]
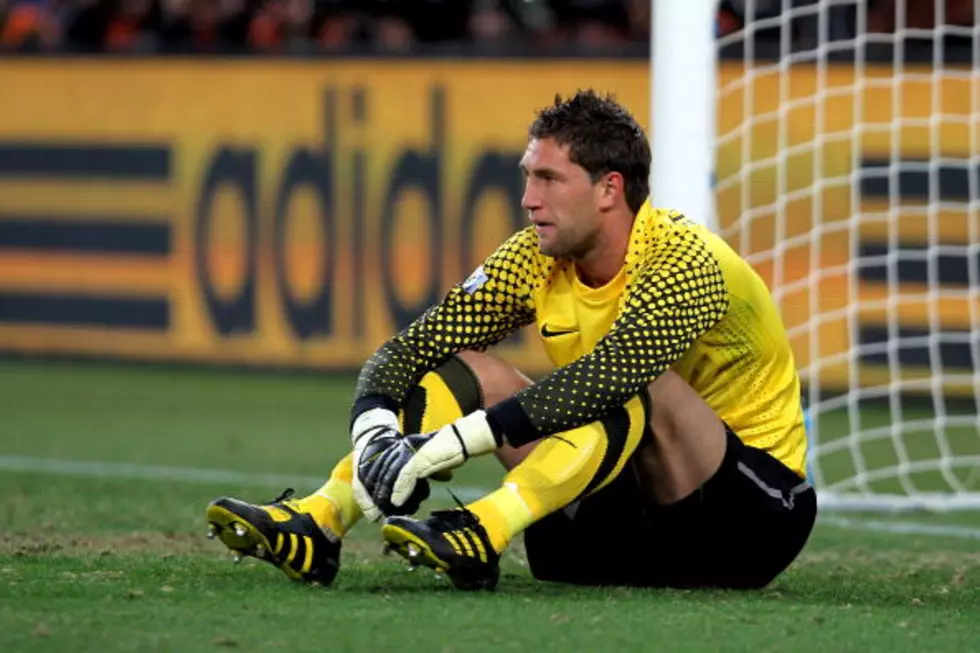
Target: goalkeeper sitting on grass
[{"x": 667, "y": 447}]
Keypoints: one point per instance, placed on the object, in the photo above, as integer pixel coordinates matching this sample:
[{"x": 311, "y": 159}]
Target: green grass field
[{"x": 105, "y": 471}]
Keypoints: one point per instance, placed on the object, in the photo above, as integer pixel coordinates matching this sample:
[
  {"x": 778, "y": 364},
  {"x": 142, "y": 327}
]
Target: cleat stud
[
  {"x": 212, "y": 531},
  {"x": 236, "y": 557},
  {"x": 240, "y": 530},
  {"x": 259, "y": 551},
  {"x": 413, "y": 551}
]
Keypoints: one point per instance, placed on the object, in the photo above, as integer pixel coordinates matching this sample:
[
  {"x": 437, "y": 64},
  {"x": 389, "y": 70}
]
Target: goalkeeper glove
[
  {"x": 371, "y": 433},
  {"x": 444, "y": 449},
  {"x": 378, "y": 445}
]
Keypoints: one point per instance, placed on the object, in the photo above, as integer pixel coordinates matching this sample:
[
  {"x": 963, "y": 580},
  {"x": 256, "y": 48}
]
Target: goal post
[
  {"x": 683, "y": 63},
  {"x": 844, "y": 145}
]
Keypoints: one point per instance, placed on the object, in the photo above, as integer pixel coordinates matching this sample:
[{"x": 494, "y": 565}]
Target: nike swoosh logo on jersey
[{"x": 547, "y": 332}]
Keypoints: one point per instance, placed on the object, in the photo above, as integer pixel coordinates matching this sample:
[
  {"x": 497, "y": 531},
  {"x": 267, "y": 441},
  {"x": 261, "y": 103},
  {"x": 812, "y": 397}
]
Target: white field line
[
  {"x": 902, "y": 527},
  {"x": 118, "y": 470},
  {"x": 104, "y": 469}
]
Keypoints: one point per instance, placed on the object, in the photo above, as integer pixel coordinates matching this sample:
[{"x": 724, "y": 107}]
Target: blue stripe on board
[
  {"x": 84, "y": 310},
  {"x": 912, "y": 264},
  {"x": 150, "y": 236},
  {"x": 136, "y": 162},
  {"x": 953, "y": 347},
  {"x": 917, "y": 179}
]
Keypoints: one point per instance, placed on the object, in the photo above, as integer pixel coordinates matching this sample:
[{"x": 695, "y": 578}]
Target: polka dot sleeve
[{"x": 495, "y": 301}]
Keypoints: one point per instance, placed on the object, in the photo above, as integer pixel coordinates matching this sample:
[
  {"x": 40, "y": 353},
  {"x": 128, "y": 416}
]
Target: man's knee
[
  {"x": 677, "y": 410},
  {"x": 497, "y": 378},
  {"x": 686, "y": 441}
]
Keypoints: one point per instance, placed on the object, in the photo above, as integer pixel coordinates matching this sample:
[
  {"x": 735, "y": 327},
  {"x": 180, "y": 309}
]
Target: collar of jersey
[{"x": 604, "y": 293}]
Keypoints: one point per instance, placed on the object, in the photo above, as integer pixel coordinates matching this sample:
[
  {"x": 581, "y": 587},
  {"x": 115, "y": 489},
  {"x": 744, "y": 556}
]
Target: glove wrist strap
[
  {"x": 475, "y": 434},
  {"x": 370, "y": 422}
]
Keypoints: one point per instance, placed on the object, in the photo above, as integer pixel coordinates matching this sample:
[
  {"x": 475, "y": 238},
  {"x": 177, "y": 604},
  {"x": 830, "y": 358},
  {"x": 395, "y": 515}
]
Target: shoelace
[
  {"x": 286, "y": 494},
  {"x": 456, "y": 499},
  {"x": 455, "y": 518}
]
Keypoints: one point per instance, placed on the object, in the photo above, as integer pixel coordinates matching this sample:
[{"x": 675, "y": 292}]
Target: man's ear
[{"x": 610, "y": 188}]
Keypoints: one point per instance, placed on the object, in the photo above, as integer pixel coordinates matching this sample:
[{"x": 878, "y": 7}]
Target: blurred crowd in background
[{"x": 298, "y": 26}]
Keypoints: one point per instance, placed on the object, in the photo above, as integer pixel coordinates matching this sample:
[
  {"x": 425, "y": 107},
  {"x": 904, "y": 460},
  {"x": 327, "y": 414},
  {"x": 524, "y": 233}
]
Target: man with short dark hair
[{"x": 667, "y": 448}]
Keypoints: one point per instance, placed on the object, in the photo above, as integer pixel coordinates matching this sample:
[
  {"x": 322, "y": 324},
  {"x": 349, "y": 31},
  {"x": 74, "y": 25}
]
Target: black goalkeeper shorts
[{"x": 740, "y": 530}]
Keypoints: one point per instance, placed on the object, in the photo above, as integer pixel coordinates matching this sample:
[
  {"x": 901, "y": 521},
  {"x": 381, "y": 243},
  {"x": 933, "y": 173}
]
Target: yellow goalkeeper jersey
[{"x": 683, "y": 300}]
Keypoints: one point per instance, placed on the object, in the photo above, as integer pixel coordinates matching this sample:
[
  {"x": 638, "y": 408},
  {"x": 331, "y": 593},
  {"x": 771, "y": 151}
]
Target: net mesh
[{"x": 847, "y": 167}]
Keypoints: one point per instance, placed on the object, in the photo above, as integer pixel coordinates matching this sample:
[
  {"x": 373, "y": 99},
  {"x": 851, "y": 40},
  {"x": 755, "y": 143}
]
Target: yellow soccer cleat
[
  {"x": 449, "y": 541},
  {"x": 278, "y": 534}
]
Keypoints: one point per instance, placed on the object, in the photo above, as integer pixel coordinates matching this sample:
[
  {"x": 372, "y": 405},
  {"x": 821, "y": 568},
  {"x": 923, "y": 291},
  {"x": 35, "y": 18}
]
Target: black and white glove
[
  {"x": 378, "y": 471},
  {"x": 379, "y": 445},
  {"x": 420, "y": 457}
]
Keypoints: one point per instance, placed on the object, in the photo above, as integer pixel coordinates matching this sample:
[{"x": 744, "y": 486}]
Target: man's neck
[{"x": 602, "y": 263}]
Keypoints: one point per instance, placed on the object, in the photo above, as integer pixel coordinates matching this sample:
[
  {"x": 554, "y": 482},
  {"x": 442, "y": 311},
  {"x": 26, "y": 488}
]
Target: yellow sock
[
  {"x": 555, "y": 473},
  {"x": 333, "y": 505},
  {"x": 503, "y": 513}
]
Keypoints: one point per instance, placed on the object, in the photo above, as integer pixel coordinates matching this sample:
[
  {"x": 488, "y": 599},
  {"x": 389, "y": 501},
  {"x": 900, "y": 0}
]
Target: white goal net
[{"x": 847, "y": 158}]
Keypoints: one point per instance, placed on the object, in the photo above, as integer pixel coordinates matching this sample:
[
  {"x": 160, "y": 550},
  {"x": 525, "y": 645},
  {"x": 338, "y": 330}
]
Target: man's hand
[
  {"x": 371, "y": 432},
  {"x": 378, "y": 446},
  {"x": 421, "y": 456},
  {"x": 378, "y": 469}
]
